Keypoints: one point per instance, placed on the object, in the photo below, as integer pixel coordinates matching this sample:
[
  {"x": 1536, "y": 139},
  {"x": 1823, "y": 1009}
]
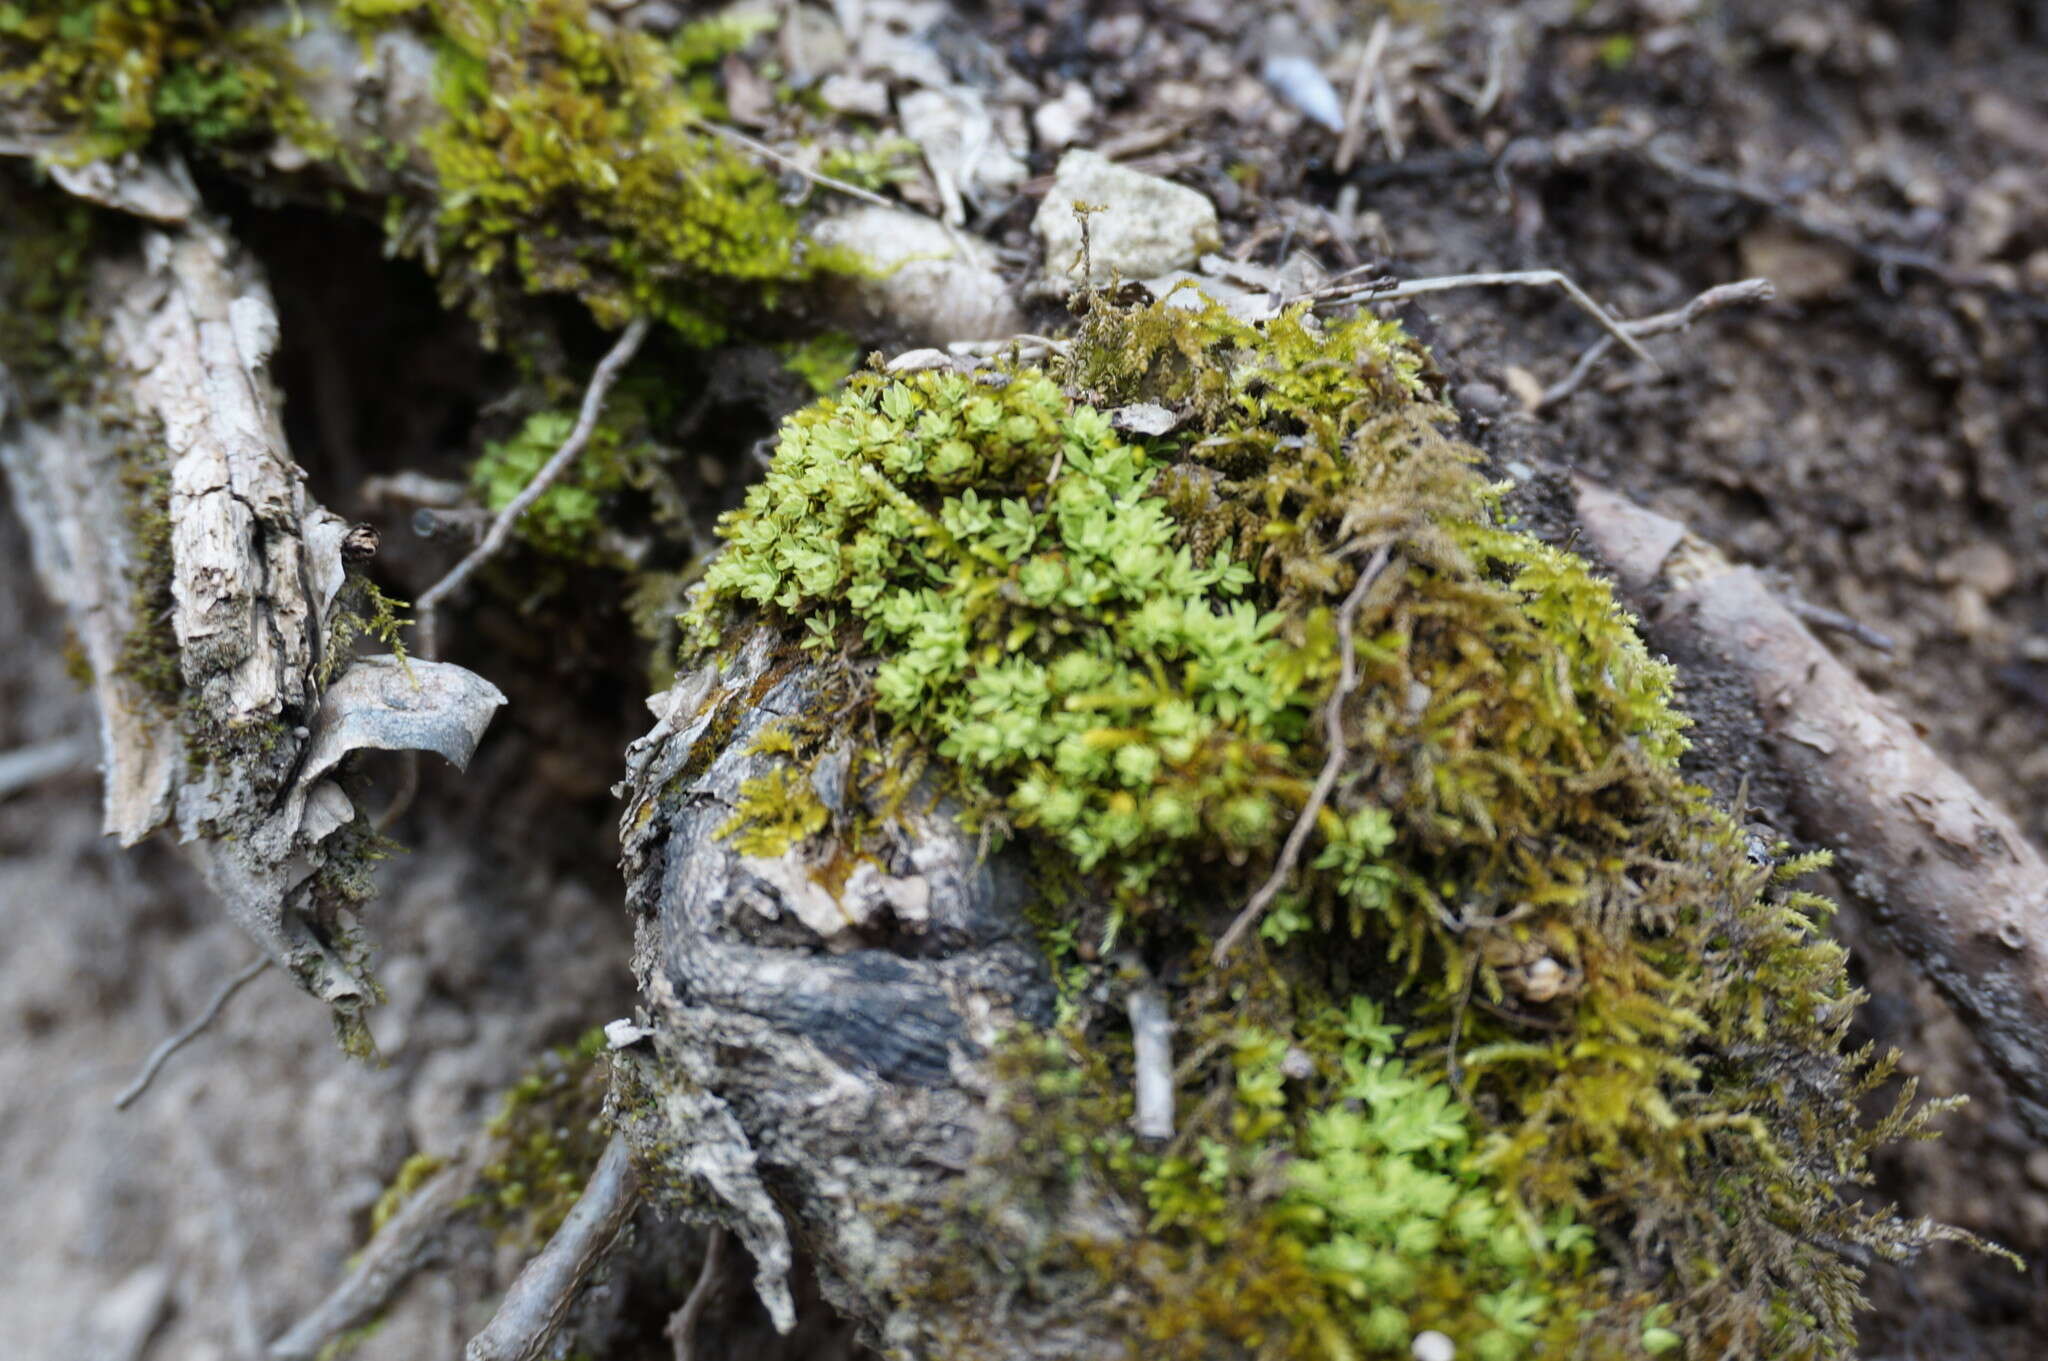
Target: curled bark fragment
[{"x": 1947, "y": 873}]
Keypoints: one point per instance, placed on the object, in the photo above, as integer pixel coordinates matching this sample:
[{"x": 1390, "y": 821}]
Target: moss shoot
[
  {"x": 1532, "y": 1050},
  {"x": 574, "y": 157}
]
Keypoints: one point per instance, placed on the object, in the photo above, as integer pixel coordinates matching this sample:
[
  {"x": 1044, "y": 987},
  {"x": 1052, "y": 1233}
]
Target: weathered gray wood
[
  {"x": 817, "y": 1081},
  {"x": 240, "y": 760}
]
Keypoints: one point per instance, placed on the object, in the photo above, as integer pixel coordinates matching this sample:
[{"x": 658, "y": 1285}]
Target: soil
[{"x": 1877, "y": 436}]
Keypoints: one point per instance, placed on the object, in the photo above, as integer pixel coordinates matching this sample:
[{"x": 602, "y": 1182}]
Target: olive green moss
[
  {"x": 413, "y": 1173},
  {"x": 108, "y": 75},
  {"x": 360, "y": 611},
  {"x": 573, "y": 157},
  {"x": 1620, "y": 1115},
  {"x": 546, "y": 1138},
  {"x": 49, "y": 346}
]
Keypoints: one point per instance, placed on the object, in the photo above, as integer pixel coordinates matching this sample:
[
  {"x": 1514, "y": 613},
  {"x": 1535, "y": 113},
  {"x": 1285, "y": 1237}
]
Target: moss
[
  {"x": 774, "y": 812},
  {"x": 568, "y": 519},
  {"x": 1118, "y": 649},
  {"x": 360, "y": 611},
  {"x": 149, "y": 650},
  {"x": 413, "y": 1173},
  {"x": 547, "y": 1137},
  {"x": 114, "y": 73},
  {"x": 574, "y": 158},
  {"x": 823, "y": 361}
]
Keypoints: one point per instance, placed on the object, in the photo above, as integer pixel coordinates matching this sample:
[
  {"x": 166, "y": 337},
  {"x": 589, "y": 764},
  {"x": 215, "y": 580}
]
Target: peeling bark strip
[
  {"x": 233, "y": 743},
  {"x": 1945, "y": 872},
  {"x": 823, "y": 1067}
]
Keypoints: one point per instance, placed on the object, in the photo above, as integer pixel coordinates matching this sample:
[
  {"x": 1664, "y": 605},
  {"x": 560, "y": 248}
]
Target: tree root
[{"x": 1945, "y": 872}]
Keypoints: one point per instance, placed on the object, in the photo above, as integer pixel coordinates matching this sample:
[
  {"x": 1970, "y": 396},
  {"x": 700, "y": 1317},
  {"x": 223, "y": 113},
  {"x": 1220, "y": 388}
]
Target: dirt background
[{"x": 1877, "y": 436}]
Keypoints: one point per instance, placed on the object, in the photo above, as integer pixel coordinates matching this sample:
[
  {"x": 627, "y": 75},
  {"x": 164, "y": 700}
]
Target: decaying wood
[
  {"x": 1946, "y": 872},
  {"x": 241, "y": 761},
  {"x": 811, "y": 1077}
]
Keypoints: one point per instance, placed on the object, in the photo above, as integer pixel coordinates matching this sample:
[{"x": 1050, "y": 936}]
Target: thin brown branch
[
  {"x": 1946, "y": 871},
  {"x": 601, "y": 381},
  {"x": 682, "y": 1326},
  {"x": 1333, "y": 763},
  {"x": 1821, "y": 617},
  {"x": 161, "y": 1055},
  {"x": 1742, "y": 293},
  {"x": 538, "y": 1301}
]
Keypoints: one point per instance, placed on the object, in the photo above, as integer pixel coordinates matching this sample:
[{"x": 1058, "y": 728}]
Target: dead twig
[
  {"x": 1383, "y": 290},
  {"x": 1333, "y": 763},
  {"x": 682, "y": 1326},
  {"x": 1152, "y": 1056},
  {"x": 537, "y": 1302},
  {"x": 398, "y": 1249},
  {"x": 601, "y": 381},
  {"x": 1361, "y": 86},
  {"x": 1506, "y": 28},
  {"x": 1820, "y": 616},
  {"x": 1946, "y": 871},
  {"x": 27, "y": 767},
  {"x": 1742, "y": 293},
  {"x": 763, "y": 150},
  {"x": 161, "y": 1055}
]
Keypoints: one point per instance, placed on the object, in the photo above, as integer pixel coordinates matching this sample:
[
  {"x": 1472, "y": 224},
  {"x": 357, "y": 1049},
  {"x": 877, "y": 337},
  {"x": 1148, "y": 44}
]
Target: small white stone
[
  {"x": 1433, "y": 1346},
  {"x": 1059, "y": 122},
  {"x": 1302, "y": 84},
  {"x": 1543, "y": 980},
  {"x": 1145, "y": 225}
]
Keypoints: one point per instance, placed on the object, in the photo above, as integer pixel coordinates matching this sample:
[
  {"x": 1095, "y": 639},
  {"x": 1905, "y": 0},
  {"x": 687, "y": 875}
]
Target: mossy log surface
[{"x": 993, "y": 719}]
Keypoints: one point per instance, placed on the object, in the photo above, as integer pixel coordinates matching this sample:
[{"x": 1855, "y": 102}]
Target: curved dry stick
[
  {"x": 682, "y": 1328},
  {"x": 1741, "y": 293},
  {"x": 1380, "y": 290},
  {"x": 1333, "y": 764},
  {"x": 161, "y": 1055},
  {"x": 1947, "y": 873},
  {"x": 535, "y": 1305},
  {"x": 389, "y": 1259},
  {"x": 601, "y": 381}
]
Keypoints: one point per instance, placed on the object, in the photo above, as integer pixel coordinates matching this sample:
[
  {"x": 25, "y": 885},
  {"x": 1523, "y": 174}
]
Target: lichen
[{"x": 1621, "y": 1031}]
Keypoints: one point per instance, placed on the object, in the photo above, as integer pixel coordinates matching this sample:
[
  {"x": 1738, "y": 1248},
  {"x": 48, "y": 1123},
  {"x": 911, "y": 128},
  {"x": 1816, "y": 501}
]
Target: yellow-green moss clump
[
  {"x": 546, "y": 1137},
  {"x": 573, "y": 157},
  {"x": 1118, "y": 649},
  {"x": 108, "y": 75}
]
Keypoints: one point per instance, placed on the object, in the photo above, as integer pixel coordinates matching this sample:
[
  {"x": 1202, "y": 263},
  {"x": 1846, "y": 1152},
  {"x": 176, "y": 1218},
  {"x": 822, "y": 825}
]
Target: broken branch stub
[
  {"x": 1949, "y": 875},
  {"x": 168, "y": 516},
  {"x": 815, "y": 1079}
]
